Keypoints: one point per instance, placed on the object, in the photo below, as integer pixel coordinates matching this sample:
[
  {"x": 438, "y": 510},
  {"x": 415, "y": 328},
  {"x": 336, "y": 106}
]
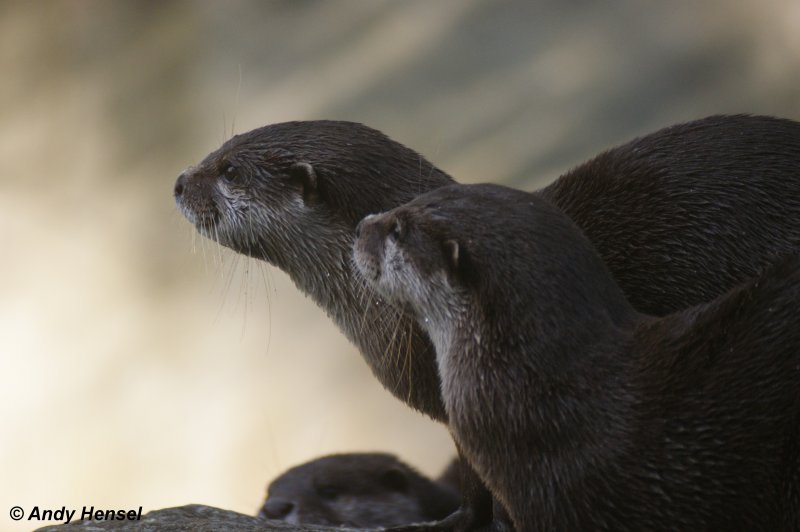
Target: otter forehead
[
  {"x": 250, "y": 154},
  {"x": 312, "y": 140},
  {"x": 488, "y": 204},
  {"x": 492, "y": 222}
]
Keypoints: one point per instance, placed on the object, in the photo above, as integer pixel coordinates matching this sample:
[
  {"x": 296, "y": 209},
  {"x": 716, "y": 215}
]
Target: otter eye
[
  {"x": 230, "y": 174},
  {"x": 396, "y": 231}
]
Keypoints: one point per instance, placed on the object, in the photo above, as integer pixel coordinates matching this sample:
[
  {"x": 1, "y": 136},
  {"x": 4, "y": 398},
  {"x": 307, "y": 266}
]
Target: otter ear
[
  {"x": 395, "y": 480},
  {"x": 457, "y": 260},
  {"x": 452, "y": 254},
  {"x": 304, "y": 174}
]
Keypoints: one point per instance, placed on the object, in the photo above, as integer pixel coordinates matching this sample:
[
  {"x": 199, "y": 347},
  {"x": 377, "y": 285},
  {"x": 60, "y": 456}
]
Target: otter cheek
[
  {"x": 363, "y": 261},
  {"x": 397, "y": 273},
  {"x": 366, "y": 264}
]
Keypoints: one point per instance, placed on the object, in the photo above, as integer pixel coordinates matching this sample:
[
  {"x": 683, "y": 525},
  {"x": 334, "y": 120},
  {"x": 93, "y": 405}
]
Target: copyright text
[{"x": 66, "y": 515}]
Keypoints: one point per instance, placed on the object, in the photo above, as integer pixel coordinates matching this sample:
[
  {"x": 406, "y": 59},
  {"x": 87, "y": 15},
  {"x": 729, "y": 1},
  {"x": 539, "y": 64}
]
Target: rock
[{"x": 193, "y": 517}]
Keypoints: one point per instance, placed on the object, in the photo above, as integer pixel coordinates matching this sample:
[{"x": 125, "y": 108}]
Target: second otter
[{"x": 577, "y": 411}]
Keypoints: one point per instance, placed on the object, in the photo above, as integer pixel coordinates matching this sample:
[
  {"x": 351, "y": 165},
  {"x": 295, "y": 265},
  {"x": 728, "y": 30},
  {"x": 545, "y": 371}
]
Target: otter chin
[{"x": 577, "y": 411}]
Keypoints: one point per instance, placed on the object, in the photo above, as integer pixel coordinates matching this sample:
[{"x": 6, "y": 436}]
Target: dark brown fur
[
  {"x": 291, "y": 194},
  {"x": 294, "y": 197},
  {"x": 577, "y": 411},
  {"x": 363, "y": 490},
  {"x": 690, "y": 211},
  {"x": 679, "y": 216}
]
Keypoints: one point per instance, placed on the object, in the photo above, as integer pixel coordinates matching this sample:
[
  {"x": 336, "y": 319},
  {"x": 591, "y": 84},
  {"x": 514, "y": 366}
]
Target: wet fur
[
  {"x": 679, "y": 216},
  {"x": 299, "y": 188},
  {"x": 305, "y": 227},
  {"x": 579, "y": 412}
]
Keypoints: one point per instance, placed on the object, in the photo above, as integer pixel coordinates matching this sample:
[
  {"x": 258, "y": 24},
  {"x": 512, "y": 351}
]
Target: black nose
[
  {"x": 180, "y": 184},
  {"x": 277, "y": 508}
]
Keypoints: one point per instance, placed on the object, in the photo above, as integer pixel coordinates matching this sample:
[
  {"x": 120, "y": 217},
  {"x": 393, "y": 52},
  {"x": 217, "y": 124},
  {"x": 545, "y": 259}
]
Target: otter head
[
  {"x": 469, "y": 256},
  {"x": 292, "y": 194},
  {"x": 288, "y": 192},
  {"x": 411, "y": 255},
  {"x": 357, "y": 490}
]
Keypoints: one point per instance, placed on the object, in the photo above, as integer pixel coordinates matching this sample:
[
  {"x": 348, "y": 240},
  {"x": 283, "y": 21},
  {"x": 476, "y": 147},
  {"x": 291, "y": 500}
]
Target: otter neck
[
  {"x": 396, "y": 349},
  {"x": 554, "y": 340},
  {"x": 577, "y": 393}
]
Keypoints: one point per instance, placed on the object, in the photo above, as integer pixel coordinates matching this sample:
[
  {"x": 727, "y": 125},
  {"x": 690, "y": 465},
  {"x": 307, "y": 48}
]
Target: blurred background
[{"x": 143, "y": 365}]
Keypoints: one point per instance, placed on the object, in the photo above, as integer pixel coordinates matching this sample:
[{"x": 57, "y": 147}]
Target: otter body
[
  {"x": 683, "y": 214},
  {"x": 291, "y": 194},
  {"x": 363, "y": 490},
  {"x": 579, "y": 412}
]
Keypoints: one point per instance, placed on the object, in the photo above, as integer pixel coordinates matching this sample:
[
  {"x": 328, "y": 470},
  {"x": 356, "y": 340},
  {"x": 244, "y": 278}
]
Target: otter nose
[
  {"x": 180, "y": 184},
  {"x": 277, "y": 508}
]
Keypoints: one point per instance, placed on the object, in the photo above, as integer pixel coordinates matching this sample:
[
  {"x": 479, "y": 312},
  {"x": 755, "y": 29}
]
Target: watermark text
[{"x": 67, "y": 515}]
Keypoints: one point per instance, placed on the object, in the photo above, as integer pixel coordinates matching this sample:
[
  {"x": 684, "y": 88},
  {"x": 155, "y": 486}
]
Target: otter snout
[
  {"x": 276, "y": 508},
  {"x": 194, "y": 195},
  {"x": 180, "y": 184}
]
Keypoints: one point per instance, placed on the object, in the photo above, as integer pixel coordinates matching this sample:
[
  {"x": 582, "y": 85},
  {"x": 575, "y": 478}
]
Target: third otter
[
  {"x": 576, "y": 410},
  {"x": 679, "y": 216},
  {"x": 359, "y": 490}
]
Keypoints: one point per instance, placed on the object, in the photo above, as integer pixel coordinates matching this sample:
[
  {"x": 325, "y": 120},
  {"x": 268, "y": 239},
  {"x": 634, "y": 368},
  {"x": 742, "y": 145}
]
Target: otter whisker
[
  {"x": 266, "y": 278},
  {"x": 390, "y": 356},
  {"x": 407, "y": 362}
]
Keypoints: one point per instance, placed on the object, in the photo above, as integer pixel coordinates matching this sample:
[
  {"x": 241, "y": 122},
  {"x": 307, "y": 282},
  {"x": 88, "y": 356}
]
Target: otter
[
  {"x": 680, "y": 216},
  {"x": 362, "y": 490},
  {"x": 579, "y": 412}
]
